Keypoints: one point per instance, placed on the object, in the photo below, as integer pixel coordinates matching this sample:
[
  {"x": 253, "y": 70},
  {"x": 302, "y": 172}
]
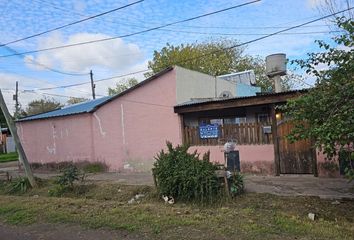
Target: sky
[{"x": 21, "y": 18}]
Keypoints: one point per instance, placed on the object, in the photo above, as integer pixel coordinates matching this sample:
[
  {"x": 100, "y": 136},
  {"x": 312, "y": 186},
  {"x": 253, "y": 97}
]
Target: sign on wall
[{"x": 209, "y": 131}]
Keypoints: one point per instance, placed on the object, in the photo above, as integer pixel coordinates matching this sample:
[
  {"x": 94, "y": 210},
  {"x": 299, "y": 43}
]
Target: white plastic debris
[
  {"x": 168, "y": 199},
  {"x": 135, "y": 198},
  {"x": 312, "y": 216}
]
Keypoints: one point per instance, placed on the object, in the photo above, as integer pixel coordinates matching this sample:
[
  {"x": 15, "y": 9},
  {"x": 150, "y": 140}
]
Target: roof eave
[{"x": 239, "y": 102}]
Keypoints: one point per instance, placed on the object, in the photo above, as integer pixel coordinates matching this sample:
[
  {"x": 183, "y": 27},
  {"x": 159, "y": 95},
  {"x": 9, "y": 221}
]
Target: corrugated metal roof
[
  {"x": 84, "y": 107},
  {"x": 208, "y": 100}
]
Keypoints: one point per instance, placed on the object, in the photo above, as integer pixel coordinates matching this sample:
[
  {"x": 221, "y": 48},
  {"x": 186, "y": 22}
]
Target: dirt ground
[
  {"x": 101, "y": 208},
  {"x": 285, "y": 185}
]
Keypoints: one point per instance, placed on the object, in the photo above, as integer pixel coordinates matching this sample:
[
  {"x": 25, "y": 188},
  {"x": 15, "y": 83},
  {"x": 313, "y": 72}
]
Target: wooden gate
[{"x": 297, "y": 157}]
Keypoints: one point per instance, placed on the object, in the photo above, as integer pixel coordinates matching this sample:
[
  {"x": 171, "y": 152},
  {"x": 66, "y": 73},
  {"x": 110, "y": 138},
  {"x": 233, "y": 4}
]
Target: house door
[{"x": 295, "y": 158}]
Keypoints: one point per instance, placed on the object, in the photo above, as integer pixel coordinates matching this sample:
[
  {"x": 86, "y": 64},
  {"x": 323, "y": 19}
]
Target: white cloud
[
  {"x": 315, "y": 3},
  {"x": 79, "y": 6},
  {"x": 102, "y": 86},
  {"x": 113, "y": 55}
]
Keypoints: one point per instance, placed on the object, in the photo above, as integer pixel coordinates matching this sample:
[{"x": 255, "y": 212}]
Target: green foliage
[
  {"x": 69, "y": 176},
  {"x": 326, "y": 113},
  {"x": 237, "y": 186},
  {"x": 40, "y": 106},
  {"x": 8, "y": 157},
  {"x": 213, "y": 57},
  {"x": 184, "y": 176},
  {"x": 121, "y": 87},
  {"x": 65, "y": 182},
  {"x": 75, "y": 100},
  {"x": 94, "y": 168},
  {"x": 58, "y": 190},
  {"x": 19, "y": 185}
]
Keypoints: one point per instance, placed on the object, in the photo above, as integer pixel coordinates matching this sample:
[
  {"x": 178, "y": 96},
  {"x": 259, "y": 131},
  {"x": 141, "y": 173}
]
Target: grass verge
[
  {"x": 8, "y": 157},
  {"x": 250, "y": 216}
]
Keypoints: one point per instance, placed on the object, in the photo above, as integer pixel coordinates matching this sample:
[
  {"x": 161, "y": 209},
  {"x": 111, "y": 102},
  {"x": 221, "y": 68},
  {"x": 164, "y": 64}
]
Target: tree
[
  {"x": 121, "y": 87},
  {"x": 41, "y": 105},
  {"x": 75, "y": 100},
  {"x": 326, "y": 113},
  {"x": 213, "y": 58}
]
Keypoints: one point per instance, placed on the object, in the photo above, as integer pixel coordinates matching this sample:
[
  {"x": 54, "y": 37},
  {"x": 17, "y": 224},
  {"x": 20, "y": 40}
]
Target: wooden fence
[{"x": 243, "y": 134}]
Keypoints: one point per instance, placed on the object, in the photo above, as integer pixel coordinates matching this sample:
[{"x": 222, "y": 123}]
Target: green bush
[
  {"x": 236, "y": 184},
  {"x": 65, "y": 182},
  {"x": 69, "y": 176},
  {"x": 185, "y": 177}
]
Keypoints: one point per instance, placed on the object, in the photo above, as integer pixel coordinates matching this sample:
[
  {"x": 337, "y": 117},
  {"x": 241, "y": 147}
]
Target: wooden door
[{"x": 295, "y": 158}]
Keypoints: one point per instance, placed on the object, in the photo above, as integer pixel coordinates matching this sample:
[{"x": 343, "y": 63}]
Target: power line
[
  {"x": 133, "y": 34},
  {"x": 245, "y": 27},
  {"x": 99, "y": 80},
  {"x": 203, "y": 55},
  {"x": 43, "y": 65},
  {"x": 267, "y": 36},
  {"x": 68, "y": 11},
  {"x": 70, "y": 24},
  {"x": 216, "y": 51},
  {"x": 48, "y": 94},
  {"x": 245, "y": 34}
]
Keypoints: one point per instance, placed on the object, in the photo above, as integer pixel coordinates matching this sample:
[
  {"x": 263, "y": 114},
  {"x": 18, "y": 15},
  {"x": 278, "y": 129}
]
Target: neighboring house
[
  {"x": 124, "y": 131},
  {"x": 3, "y": 135},
  {"x": 259, "y": 129},
  {"x": 7, "y": 144}
]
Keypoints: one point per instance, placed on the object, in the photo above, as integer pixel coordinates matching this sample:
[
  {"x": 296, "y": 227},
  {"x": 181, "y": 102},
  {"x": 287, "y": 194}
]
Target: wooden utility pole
[
  {"x": 18, "y": 144},
  {"x": 93, "y": 86},
  {"x": 15, "y": 98}
]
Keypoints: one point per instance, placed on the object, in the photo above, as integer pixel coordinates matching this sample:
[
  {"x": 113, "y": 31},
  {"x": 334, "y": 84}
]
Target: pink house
[
  {"x": 124, "y": 131},
  {"x": 127, "y": 130}
]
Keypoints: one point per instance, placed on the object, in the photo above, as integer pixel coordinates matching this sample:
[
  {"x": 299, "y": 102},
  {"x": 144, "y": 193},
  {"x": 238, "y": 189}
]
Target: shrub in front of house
[
  {"x": 65, "y": 182},
  {"x": 185, "y": 177}
]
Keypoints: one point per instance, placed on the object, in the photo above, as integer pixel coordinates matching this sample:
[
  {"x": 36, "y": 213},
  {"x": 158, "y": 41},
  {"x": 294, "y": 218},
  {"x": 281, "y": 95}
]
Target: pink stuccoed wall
[
  {"x": 257, "y": 159},
  {"x": 137, "y": 125},
  {"x": 57, "y": 139},
  {"x": 125, "y": 133},
  {"x": 325, "y": 167}
]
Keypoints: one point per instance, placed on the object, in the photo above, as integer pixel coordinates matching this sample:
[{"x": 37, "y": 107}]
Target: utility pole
[
  {"x": 21, "y": 151},
  {"x": 93, "y": 86},
  {"x": 15, "y": 98}
]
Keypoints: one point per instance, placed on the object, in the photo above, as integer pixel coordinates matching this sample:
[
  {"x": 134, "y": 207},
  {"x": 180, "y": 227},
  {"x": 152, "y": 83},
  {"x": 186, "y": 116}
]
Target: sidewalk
[{"x": 285, "y": 185}]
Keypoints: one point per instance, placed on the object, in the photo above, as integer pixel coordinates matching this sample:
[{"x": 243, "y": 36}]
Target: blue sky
[{"x": 20, "y": 18}]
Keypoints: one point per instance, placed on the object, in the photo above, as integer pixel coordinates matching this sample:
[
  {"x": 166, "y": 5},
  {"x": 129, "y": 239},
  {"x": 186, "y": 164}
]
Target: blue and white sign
[{"x": 209, "y": 131}]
